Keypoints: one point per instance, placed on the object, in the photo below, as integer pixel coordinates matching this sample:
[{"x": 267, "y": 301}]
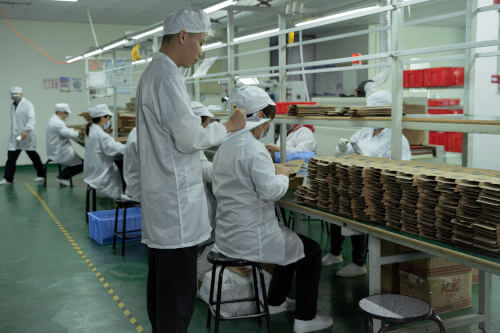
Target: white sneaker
[
  {"x": 287, "y": 305},
  {"x": 317, "y": 324},
  {"x": 5, "y": 182},
  {"x": 64, "y": 182},
  {"x": 352, "y": 270},
  {"x": 331, "y": 259},
  {"x": 39, "y": 179}
]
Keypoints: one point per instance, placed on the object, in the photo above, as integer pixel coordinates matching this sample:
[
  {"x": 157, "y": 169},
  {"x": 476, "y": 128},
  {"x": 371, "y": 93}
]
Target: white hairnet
[
  {"x": 99, "y": 111},
  {"x": 251, "y": 99},
  {"x": 200, "y": 110},
  {"x": 379, "y": 98},
  {"x": 63, "y": 107},
  {"x": 16, "y": 90},
  {"x": 192, "y": 20}
]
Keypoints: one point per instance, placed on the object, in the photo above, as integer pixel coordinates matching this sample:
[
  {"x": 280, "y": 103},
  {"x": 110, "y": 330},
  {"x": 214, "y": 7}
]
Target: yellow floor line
[{"x": 100, "y": 278}]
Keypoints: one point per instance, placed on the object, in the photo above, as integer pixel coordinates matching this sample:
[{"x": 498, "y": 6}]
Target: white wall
[
  {"x": 485, "y": 147},
  {"x": 24, "y": 66}
]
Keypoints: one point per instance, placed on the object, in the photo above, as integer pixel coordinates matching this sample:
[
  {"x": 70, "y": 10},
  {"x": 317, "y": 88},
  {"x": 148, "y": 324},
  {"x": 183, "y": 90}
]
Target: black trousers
[
  {"x": 171, "y": 290},
  {"x": 359, "y": 245},
  {"x": 307, "y": 274},
  {"x": 10, "y": 166},
  {"x": 70, "y": 171}
]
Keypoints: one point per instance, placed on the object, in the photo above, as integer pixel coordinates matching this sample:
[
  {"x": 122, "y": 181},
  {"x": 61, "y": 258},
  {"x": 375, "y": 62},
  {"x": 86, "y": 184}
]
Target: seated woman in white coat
[
  {"x": 374, "y": 142},
  {"x": 299, "y": 138},
  {"x": 246, "y": 185},
  {"x": 59, "y": 148},
  {"x": 99, "y": 169},
  {"x": 131, "y": 164}
]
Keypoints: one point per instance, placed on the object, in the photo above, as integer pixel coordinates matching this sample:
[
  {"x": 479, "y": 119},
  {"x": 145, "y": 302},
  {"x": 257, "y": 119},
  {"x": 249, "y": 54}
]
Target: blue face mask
[{"x": 108, "y": 124}]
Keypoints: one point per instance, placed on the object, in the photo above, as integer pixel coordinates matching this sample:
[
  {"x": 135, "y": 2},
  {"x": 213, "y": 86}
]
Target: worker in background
[
  {"x": 22, "y": 136},
  {"x": 131, "y": 171},
  {"x": 246, "y": 185},
  {"x": 206, "y": 116},
  {"x": 59, "y": 148},
  {"x": 299, "y": 138},
  {"x": 99, "y": 170},
  {"x": 174, "y": 206},
  {"x": 374, "y": 142}
]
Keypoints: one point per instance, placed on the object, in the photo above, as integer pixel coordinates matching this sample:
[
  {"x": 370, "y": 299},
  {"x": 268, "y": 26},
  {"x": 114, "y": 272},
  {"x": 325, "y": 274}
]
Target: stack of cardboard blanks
[
  {"x": 428, "y": 199},
  {"x": 392, "y": 198},
  {"x": 447, "y": 207},
  {"x": 467, "y": 213},
  {"x": 126, "y": 122},
  {"x": 311, "y": 168},
  {"x": 373, "y": 193},
  {"x": 487, "y": 225},
  {"x": 408, "y": 202},
  {"x": 344, "y": 190},
  {"x": 311, "y": 110},
  {"x": 367, "y": 111},
  {"x": 306, "y": 195},
  {"x": 358, "y": 204},
  {"x": 322, "y": 170},
  {"x": 333, "y": 185}
]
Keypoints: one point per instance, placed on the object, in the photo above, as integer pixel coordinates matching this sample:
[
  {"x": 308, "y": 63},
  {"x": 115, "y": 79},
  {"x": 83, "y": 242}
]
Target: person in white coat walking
[
  {"x": 170, "y": 137},
  {"x": 99, "y": 169},
  {"x": 131, "y": 168},
  {"x": 369, "y": 142},
  {"x": 246, "y": 185},
  {"x": 22, "y": 136},
  {"x": 59, "y": 148}
]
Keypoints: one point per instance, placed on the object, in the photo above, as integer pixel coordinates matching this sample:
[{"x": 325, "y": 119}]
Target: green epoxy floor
[{"x": 46, "y": 287}]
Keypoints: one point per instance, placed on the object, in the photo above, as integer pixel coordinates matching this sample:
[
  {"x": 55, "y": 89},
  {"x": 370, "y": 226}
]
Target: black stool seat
[
  {"x": 220, "y": 259},
  {"x": 126, "y": 203},
  {"x": 396, "y": 309}
]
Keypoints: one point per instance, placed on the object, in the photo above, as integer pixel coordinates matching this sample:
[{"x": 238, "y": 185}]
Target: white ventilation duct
[{"x": 384, "y": 46}]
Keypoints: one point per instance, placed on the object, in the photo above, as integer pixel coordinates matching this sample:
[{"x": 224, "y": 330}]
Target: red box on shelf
[
  {"x": 282, "y": 107},
  {"x": 444, "y": 77},
  {"x": 445, "y": 111},
  {"x": 438, "y": 138},
  {"x": 443, "y": 102},
  {"x": 454, "y": 142},
  {"x": 413, "y": 78}
]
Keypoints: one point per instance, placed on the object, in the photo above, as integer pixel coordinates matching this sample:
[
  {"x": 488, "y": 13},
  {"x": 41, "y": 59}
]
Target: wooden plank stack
[
  {"x": 458, "y": 206},
  {"x": 300, "y": 110},
  {"x": 367, "y": 111},
  {"x": 126, "y": 122}
]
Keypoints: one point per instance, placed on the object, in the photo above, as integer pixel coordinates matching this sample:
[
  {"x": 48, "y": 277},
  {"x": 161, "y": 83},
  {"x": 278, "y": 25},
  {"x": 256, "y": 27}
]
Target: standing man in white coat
[
  {"x": 59, "y": 148},
  {"x": 170, "y": 138},
  {"x": 22, "y": 136}
]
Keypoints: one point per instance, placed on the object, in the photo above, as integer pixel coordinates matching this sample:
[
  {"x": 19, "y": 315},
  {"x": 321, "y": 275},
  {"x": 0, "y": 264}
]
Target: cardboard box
[
  {"x": 415, "y": 137},
  {"x": 389, "y": 279},
  {"x": 443, "y": 293}
]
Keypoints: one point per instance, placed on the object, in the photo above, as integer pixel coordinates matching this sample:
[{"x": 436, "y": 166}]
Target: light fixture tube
[
  {"x": 112, "y": 46},
  {"x": 92, "y": 53},
  {"x": 211, "y": 46},
  {"x": 257, "y": 34},
  {"x": 69, "y": 61},
  {"x": 147, "y": 33},
  {"x": 329, "y": 17},
  {"x": 219, "y": 6}
]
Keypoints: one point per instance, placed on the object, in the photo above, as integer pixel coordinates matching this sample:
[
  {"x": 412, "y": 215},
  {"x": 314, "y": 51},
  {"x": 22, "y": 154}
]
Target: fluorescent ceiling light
[
  {"x": 138, "y": 62},
  {"x": 219, "y": 6},
  {"x": 69, "y": 61},
  {"x": 92, "y": 53},
  {"x": 350, "y": 12},
  {"x": 112, "y": 46},
  {"x": 212, "y": 46},
  {"x": 66, "y": 0},
  {"x": 147, "y": 33},
  {"x": 258, "y": 34},
  {"x": 249, "y": 81}
]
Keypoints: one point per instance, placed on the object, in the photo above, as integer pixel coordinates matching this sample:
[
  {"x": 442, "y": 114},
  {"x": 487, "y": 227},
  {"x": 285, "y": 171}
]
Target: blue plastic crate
[{"x": 102, "y": 224}]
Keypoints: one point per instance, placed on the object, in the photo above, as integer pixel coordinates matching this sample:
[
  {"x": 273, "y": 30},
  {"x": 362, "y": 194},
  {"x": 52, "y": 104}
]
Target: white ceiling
[{"x": 146, "y": 12}]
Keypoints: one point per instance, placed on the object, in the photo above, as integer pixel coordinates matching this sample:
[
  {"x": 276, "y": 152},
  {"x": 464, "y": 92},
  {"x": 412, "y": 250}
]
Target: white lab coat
[
  {"x": 22, "y": 119},
  {"x": 376, "y": 146},
  {"x": 59, "y": 148},
  {"x": 246, "y": 187},
  {"x": 131, "y": 166},
  {"x": 170, "y": 137},
  {"x": 206, "y": 171},
  {"x": 301, "y": 139},
  {"x": 99, "y": 169}
]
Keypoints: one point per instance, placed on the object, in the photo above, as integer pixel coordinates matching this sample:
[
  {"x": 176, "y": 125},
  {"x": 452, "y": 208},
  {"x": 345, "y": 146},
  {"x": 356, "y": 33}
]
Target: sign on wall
[{"x": 63, "y": 84}]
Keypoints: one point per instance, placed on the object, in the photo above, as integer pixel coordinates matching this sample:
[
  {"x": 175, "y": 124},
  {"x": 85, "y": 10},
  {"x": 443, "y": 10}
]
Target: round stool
[
  {"x": 217, "y": 259},
  {"x": 58, "y": 168},
  {"x": 395, "y": 310},
  {"x": 124, "y": 204}
]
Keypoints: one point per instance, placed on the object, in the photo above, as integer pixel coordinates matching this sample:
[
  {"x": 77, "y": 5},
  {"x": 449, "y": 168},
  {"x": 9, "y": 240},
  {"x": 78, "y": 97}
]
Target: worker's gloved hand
[
  {"x": 237, "y": 121},
  {"x": 342, "y": 145}
]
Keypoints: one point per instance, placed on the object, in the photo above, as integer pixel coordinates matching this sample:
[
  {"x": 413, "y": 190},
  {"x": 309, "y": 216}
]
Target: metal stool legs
[
  {"x": 87, "y": 202},
  {"x": 435, "y": 318}
]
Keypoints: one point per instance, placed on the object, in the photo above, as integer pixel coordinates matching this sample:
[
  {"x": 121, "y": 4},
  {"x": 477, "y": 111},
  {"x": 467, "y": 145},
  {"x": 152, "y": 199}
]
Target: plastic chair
[
  {"x": 396, "y": 310},
  {"x": 217, "y": 259}
]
